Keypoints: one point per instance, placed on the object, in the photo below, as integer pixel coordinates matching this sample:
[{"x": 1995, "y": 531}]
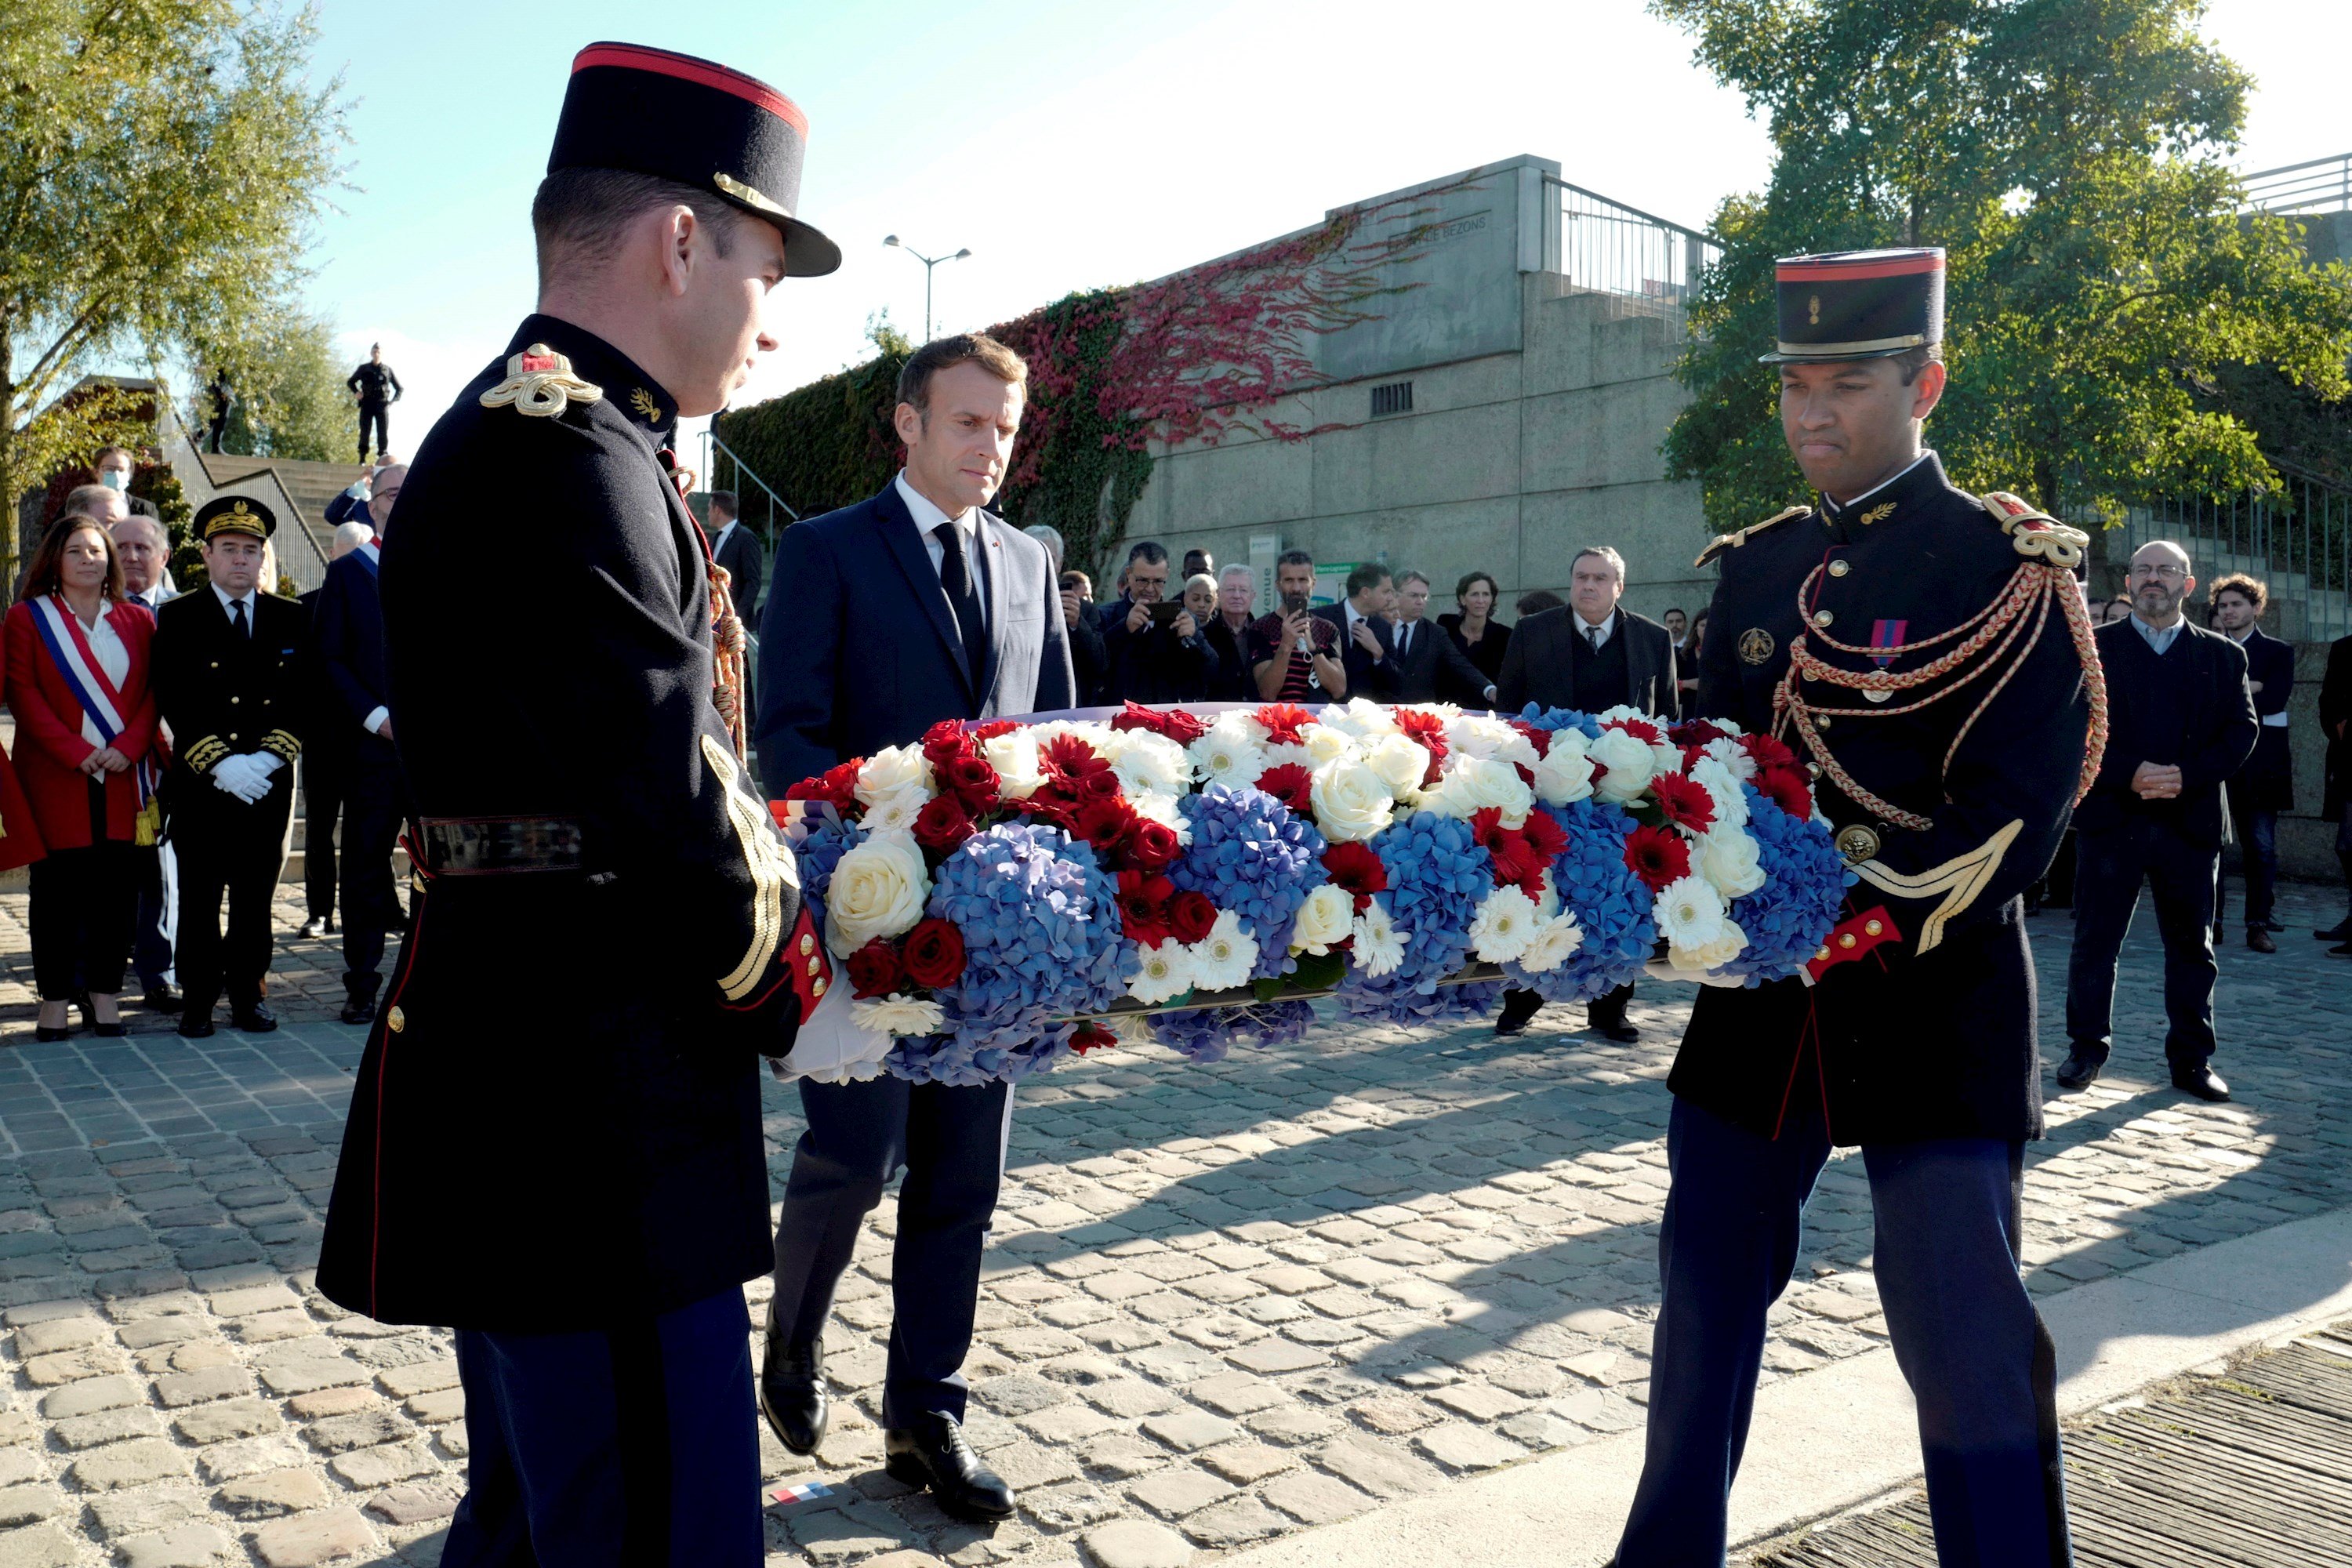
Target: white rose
[
  {"x": 877, "y": 890},
  {"x": 1667, "y": 758},
  {"x": 1730, "y": 860},
  {"x": 1628, "y": 762},
  {"x": 1359, "y": 718},
  {"x": 1728, "y": 944},
  {"x": 894, "y": 770},
  {"x": 1690, "y": 913},
  {"x": 1506, "y": 923},
  {"x": 1484, "y": 737},
  {"x": 1379, "y": 947},
  {"x": 1555, "y": 942},
  {"x": 1326, "y": 745},
  {"x": 898, "y": 1013},
  {"x": 1351, "y": 801},
  {"x": 1400, "y": 761},
  {"x": 1565, "y": 772},
  {"x": 1152, "y": 765},
  {"x": 1326, "y": 918},
  {"x": 1474, "y": 784},
  {"x": 1722, "y": 786},
  {"x": 1625, "y": 710},
  {"x": 1222, "y": 759},
  {"x": 1166, "y": 973},
  {"x": 1013, "y": 755}
]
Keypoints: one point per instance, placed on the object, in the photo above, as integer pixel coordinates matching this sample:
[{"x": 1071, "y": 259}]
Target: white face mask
[{"x": 114, "y": 478}]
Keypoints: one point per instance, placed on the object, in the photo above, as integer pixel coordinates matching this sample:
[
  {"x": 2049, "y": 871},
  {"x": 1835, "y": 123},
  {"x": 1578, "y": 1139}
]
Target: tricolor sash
[{"x": 100, "y": 701}]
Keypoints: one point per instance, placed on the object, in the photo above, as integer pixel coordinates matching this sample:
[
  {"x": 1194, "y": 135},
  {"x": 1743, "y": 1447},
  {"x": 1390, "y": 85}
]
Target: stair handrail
[{"x": 710, "y": 444}]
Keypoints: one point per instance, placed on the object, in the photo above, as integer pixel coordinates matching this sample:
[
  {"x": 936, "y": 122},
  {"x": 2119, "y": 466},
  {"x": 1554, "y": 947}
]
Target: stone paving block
[
  {"x": 1186, "y": 1430},
  {"x": 846, "y": 1534},
  {"x": 73, "y": 1365},
  {"x": 1462, "y": 1447},
  {"x": 306, "y": 1540},
  {"x": 78, "y": 1432},
  {"x": 189, "y": 1546},
  {"x": 244, "y": 1457},
  {"x": 364, "y": 1428},
  {"x": 274, "y": 1493},
  {"x": 1247, "y": 1463},
  {"x": 1138, "y": 1544},
  {"x": 433, "y": 1409},
  {"x": 132, "y": 1464},
  {"x": 407, "y": 1505},
  {"x": 1122, "y": 1455},
  {"x": 185, "y": 1388},
  {"x": 1274, "y": 1356},
  {"x": 1380, "y": 1469},
  {"x": 39, "y": 1546},
  {"x": 367, "y": 1469},
  {"x": 301, "y": 1366},
  {"x": 60, "y": 1334},
  {"x": 29, "y": 1500},
  {"x": 1178, "y": 1490},
  {"x": 332, "y": 1402}
]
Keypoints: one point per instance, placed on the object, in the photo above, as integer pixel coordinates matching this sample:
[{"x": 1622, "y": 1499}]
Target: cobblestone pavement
[{"x": 1222, "y": 1303}]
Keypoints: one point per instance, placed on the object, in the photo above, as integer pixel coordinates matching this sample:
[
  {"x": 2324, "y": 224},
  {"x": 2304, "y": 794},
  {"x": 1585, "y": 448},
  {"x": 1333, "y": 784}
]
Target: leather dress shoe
[
  {"x": 162, "y": 997},
  {"x": 196, "y": 1023},
  {"x": 45, "y": 1033},
  {"x": 2259, "y": 940},
  {"x": 2201, "y": 1081},
  {"x": 2340, "y": 932},
  {"x": 2344, "y": 949},
  {"x": 257, "y": 1019},
  {"x": 1610, "y": 1025},
  {"x": 792, "y": 1394},
  {"x": 358, "y": 1010},
  {"x": 932, "y": 1453},
  {"x": 1518, "y": 1008},
  {"x": 2078, "y": 1071}
]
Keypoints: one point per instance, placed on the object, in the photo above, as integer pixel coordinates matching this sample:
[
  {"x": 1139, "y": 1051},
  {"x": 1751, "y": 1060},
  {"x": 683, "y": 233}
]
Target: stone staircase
[{"x": 310, "y": 486}]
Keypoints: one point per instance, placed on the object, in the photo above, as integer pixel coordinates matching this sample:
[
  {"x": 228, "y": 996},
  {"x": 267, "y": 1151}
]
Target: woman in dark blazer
[
  {"x": 1484, "y": 639},
  {"x": 77, "y": 681}
]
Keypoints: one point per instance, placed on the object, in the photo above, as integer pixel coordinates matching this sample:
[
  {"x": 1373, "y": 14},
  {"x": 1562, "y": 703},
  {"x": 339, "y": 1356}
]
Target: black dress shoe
[
  {"x": 2078, "y": 1071},
  {"x": 1610, "y": 1025},
  {"x": 113, "y": 1031},
  {"x": 162, "y": 998},
  {"x": 257, "y": 1019},
  {"x": 2343, "y": 950},
  {"x": 932, "y": 1453},
  {"x": 792, "y": 1394},
  {"x": 1518, "y": 1008},
  {"x": 2201, "y": 1081},
  {"x": 358, "y": 1010},
  {"x": 2259, "y": 940},
  {"x": 43, "y": 1033},
  {"x": 2340, "y": 932},
  {"x": 196, "y": 1025}
]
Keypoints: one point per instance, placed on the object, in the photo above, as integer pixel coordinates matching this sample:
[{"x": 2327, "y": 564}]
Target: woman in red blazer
[{"x": 76, "y": 680}]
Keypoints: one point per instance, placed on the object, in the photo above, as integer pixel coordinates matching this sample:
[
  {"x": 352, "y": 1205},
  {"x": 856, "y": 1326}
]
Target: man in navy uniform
[
  {"x": 911, "y": 607},
  {"x": 555, "y": 1146},
  {"x": 231, "y": 669},
  {"x": 1928, "y": 653}
]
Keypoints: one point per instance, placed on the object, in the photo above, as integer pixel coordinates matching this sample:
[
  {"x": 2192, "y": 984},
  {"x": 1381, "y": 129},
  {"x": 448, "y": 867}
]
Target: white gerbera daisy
[
  {"x": 1379, "y": 947},
  {"x": 1222, "y": 960},
  {"x": 1555, "y": 942},
  {"x": 898, "y": 1013},
  {"x": 1690, "y": 913},
  {"x": 1505, "y": 924},
  {"x": 894, "y": 812},
  {"x": 1165, "y": 973},
  {"x": 1223, "y": 759}
]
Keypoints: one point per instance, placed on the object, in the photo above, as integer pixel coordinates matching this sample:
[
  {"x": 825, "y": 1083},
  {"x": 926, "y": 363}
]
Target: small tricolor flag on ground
[{"x": 806, "y": 1492}]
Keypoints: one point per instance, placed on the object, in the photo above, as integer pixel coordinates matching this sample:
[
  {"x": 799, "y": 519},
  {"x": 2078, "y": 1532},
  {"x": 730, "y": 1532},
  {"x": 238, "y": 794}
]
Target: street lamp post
[{"x": 928, "y": 262}]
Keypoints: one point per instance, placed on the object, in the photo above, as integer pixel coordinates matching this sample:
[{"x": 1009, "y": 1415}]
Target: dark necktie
[
  {"x": 1404, "y": 641},
  {"x": 1592, "y": 637},
  {"x": 955, "y": 576},
  {"x": 237, "y": 618}
]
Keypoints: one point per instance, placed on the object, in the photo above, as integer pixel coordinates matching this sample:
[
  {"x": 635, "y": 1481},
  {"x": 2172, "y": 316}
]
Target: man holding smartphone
[
  {"x": 1156, "y": 652},
  {"x": 1295, "y": 654}
]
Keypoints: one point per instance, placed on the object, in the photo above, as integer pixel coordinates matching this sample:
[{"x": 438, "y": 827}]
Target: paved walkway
[{"x": 1223, "y": 1305}]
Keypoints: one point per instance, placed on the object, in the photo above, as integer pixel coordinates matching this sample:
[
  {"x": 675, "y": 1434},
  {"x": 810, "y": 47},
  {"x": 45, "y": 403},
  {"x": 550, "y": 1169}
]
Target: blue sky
[{"x": 1067, "y": 145}]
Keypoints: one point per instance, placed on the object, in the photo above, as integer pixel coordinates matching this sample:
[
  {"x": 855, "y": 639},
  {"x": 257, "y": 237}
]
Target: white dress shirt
[
  {"x": 1595, "y": 636},
  {"x": 2157, "y": 638},
  {"x": 720, "y": 543},
  {"x": 928, "y": 517},
  {"x": 106, "y": 645}
]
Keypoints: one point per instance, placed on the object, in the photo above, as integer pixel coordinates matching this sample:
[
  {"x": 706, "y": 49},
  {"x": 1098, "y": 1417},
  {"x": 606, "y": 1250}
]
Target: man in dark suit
[
  {"x": 915, "y": 606},
  {"x": 1592, "y": 655},
  {"x": 737, "y": 548},
  {"x": 2179, "y": 721},
  {"x": 2265, "y": 785},
  {"x": 231, "y": 669},
  {"x": 1362, "y": 619},
  {"x": 1154, "y": 656},
  {"x": 2336, "y": 725},
  {"x": 1421, "y": 649},
  {"x": 349, "y": 627}
]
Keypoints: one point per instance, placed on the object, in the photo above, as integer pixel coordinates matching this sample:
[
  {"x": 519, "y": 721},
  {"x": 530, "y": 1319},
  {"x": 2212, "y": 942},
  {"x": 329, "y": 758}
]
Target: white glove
[
  {"x": 240, "y": 777},
  {"x": 264, "y": 764}
]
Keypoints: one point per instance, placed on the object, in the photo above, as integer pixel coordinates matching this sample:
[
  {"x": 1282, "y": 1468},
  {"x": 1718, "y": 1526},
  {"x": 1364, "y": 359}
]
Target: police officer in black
[
  {"x": 555, "y": 1143},
  {"x": 1926, "y": 654},
  {"x": 232, "y": 668},
  {"x": 377, "y": 389}
]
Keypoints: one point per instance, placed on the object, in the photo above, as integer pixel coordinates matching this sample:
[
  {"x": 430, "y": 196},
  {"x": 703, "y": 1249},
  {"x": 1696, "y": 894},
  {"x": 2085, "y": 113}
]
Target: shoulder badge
[
  {"x": 1723, "y": 541},
  {"x": 2036, "y": 534},
  {"x": 540, "y": 383}
]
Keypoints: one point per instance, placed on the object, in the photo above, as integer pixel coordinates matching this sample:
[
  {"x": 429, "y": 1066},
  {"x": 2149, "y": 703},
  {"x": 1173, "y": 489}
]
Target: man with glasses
[{"x": 2180, "y": 720}]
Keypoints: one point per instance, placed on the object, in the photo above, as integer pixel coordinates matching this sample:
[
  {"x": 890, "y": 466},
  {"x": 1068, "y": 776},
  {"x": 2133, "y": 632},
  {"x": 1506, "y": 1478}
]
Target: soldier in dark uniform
[
  {"x": 1927, "y": 653},
  {"x": 232, "y": 670},
  {"x": 555, "y": 1143}
]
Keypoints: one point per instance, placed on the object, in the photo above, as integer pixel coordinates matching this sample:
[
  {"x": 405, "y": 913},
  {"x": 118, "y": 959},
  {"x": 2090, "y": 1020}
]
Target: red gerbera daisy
[
  {"x": 1068, "y": 754},
  {"x": 1537, "y": 736},
  {"x": 1767, "y": 751},
  {"x": 1092, "y": 1037},
  {"x": 1290, "y": 784},
  {"x": 1282, "y": 721},
  {"x": 1143, "y": 907},
  {"x": 1686, "y": 803},
  {"x": 1658, "y": 855},
  {"x": 1102, "y": 823},
  {"x": 1545, "y": 833},
  {"x": 1641, "y": 730},
  {"x": 1430, "y": 730},
  {"x": 1786, "y": 788},
  {"x": 1355, "y": 868}
]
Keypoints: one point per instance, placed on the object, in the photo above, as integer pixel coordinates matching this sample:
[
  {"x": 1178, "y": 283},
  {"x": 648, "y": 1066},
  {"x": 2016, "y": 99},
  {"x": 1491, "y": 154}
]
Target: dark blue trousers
[
  {"x": 951, "y": 1142},
  {"x": 1967, "y": 1338},
  {"x": 632, "y": 1448}
]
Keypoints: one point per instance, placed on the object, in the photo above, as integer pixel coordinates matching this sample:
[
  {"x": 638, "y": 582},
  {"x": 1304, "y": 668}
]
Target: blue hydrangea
[
  {"x": 1253, "y": 855},
  {"x": 818, "y": 854},
  {"x": 1556, "y": 719},
  {"x": 1805, "y": 879},
  {"x": 1206, "y": 1033},
  {"x": 1438, "y": 874},
  {"x": 1041, "y": 938},
  {"x": 1611, "y": 904}
]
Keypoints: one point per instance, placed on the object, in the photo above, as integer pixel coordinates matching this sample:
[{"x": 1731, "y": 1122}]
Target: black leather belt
[{"x": 501, "y": 846}]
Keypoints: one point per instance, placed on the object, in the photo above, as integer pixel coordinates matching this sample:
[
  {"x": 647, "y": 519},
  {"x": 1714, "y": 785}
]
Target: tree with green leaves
[
  {"x": 301, "y": 407},
  {"x": 2103, "y": 282},
  {"x": 160, "y": 164}
]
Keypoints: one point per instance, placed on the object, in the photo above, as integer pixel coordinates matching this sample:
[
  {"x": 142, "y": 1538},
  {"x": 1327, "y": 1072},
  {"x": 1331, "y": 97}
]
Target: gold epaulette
[
  {"x": 540, "y": 383},
  {"x": 1723, "y": 541},
  {"x": 2033, "y": 531}
]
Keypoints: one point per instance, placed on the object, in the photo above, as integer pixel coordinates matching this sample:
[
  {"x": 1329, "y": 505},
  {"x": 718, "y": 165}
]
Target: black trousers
[
  {"x": 2257, "y": 835},
  {"x": 2178, "y": 871},
  {"x": 82, "y": 904},
  {"x": 372, "y": 811},
  {"x": 950, "y": 1143},
  {"x": 323, "y": 801},
  {"x": 373, "y": 412},
  {"x": 150, "y": 950},
  {"x": 227, "y": 847}
]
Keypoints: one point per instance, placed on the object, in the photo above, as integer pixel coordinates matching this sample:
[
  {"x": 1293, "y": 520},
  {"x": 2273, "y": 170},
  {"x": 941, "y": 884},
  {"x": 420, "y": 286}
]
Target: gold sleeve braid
[
  {"x": 205, "y": 754},
  {"x": 283, "y": 743},
  {"x": 771, "y": 868}
]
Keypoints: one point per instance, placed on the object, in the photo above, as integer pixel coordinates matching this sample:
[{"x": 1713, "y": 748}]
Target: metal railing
[
  {"x": 1608, "y": 247},
  {"x": 2320, "y": 185},
  {"x": 2296, "y": 540},
  {"x": 713, "y": 448}
]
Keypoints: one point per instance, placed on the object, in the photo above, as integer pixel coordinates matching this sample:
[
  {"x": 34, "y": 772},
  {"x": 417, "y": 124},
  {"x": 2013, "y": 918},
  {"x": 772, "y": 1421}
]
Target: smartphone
[{"x": 1164, "y": 612}]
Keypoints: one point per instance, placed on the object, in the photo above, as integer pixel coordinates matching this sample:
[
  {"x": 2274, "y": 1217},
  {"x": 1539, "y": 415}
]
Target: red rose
[
  {"x": 1686, "y": 803},
  {"x": 1767, "y": 752},
  {"x": 942, "y": 824},
  {"x": 1101, "y": 823},
  {"x": 1356, "y": 869},
  {"x": 1143, "y": 907},
  {"x": 1658, "y": 855},
  {"x": 1151, "y": 846},
  {"x": 1173, "y": 722},
  {"x": 875, "y": 970},
  {"x": 836, "y": 785},
  {"x": 1091, "y": 1036},
  {"x": 1786, "y": 788},
  {"x": 1282, "y": 721},
  {"x": 971, "y": 781},
  {"x": 934, "y": 955},
  {"x": 1102, "y": 784},
  {"x": 990, "y": 730},
  {"x": 1290, "y": 784},
  {"x": 944, "y": 741},
  {"x": 1190, "y": 916},
  {"x": 1693, "y": 732}
]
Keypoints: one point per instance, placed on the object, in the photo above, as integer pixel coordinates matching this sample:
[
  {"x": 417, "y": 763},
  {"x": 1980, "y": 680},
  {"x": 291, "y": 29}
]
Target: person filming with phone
[{"x": 1156, "y": 652}]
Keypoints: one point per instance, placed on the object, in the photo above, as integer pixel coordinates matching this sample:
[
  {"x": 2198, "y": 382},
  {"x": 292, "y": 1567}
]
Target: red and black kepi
[
  {"x": 1858, "y": 304},
  {"x": 702, "y": 124}
]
